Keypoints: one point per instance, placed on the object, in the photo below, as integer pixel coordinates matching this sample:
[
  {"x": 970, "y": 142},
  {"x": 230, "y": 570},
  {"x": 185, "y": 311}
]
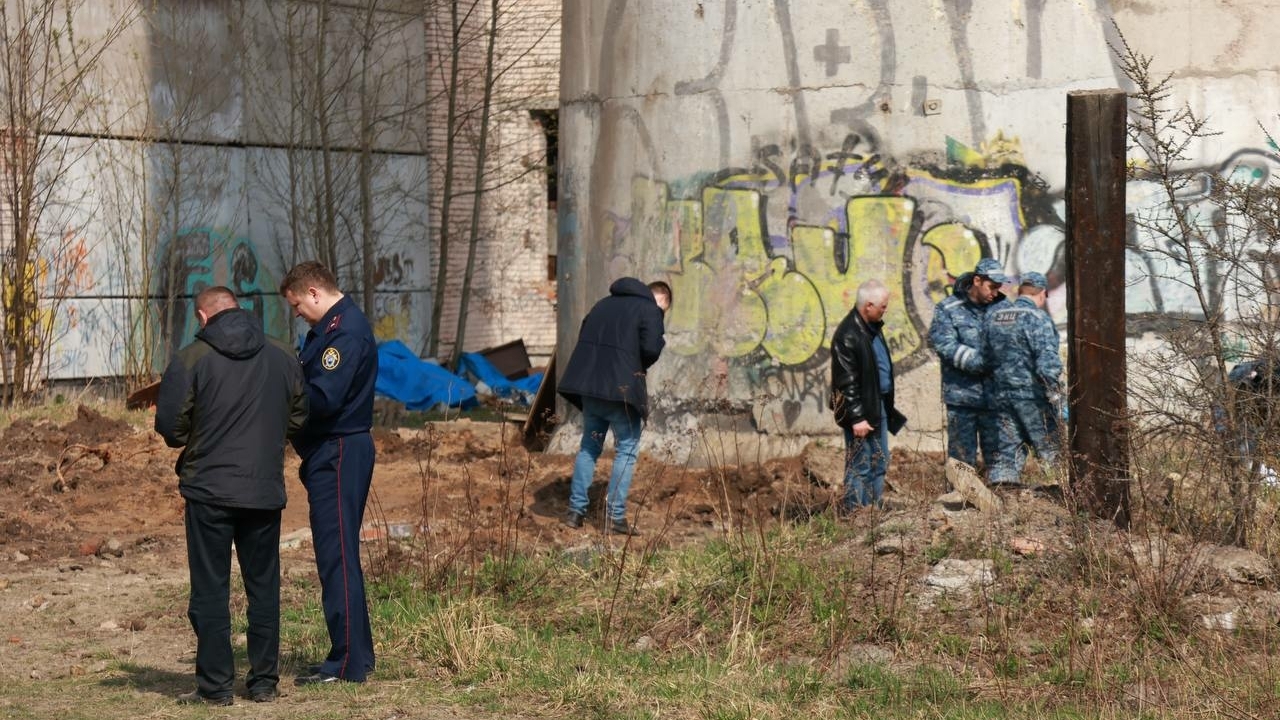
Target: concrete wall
[
  {"x": 191, "y": 156},
  {"x": 195, "y": 153},
  {"x": 767, "y": 156}
]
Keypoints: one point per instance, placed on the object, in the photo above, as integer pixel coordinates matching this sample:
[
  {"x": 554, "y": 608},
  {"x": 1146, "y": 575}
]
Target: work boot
[
  {"x": 195, "y": 698},
  {"x": 573, "y": 519},
  {"x": 264, "y": 695},
  {"x": 620, "y": 526}
]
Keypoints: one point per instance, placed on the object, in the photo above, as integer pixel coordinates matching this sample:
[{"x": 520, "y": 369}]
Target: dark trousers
[
  {"x": 969, "y": 429},
  {"x": 211, "y": 529},
  {"x": 337, "y": 476}
]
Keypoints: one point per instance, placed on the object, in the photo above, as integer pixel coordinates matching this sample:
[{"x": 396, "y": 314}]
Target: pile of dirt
[{"x": 65, "y": 488}]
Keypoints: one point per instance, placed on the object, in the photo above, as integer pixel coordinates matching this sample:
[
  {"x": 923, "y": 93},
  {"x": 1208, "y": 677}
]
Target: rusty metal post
[{"x": 1098, "y": 431}]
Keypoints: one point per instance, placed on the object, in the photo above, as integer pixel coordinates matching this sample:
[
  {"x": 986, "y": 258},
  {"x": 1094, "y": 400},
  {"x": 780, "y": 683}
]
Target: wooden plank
[
  {"x": 1095, "y": 198},
  {"x": 543, "y": 409},
  {"x": 143, "y": 397}
]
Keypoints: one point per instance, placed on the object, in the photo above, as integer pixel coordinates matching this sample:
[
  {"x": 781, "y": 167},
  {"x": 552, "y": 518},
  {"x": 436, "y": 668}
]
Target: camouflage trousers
[
  {"x": 970, "y": 428},
  {"x": 1024, "y": 425}
]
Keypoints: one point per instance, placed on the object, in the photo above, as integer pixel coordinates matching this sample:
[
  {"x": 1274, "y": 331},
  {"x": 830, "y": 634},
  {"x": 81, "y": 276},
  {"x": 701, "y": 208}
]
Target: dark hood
[
  {"x": 235, "y": 333},
  {"x": 630, "y": 286}
]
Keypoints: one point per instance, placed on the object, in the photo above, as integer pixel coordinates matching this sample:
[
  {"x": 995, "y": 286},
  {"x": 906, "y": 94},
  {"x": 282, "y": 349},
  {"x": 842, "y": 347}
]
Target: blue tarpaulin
[
  {"x": 479, "y": 367},
  {"x": 420, "y": 385}
]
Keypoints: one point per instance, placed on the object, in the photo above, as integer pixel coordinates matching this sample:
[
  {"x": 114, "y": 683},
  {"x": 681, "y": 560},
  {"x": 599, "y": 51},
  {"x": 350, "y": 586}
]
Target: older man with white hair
[{"x": 862, "y": 395}]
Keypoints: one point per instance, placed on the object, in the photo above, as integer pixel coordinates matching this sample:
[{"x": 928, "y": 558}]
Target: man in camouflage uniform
[
  {"x": 956, "y": 336},
  {"x": 1022, "y": 352}
]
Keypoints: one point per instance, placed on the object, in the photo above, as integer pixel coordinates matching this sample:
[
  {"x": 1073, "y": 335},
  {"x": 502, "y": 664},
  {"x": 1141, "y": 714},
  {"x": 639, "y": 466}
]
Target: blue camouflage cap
[
  {"x": 1035, "y": 280},
  {"x": 990, "y": 268}
]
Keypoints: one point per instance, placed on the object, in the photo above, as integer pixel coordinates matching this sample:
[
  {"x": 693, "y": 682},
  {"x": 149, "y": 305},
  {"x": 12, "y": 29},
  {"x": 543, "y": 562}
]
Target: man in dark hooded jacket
[
  {"x": 230, "y": 399},
  {"x": 619, "y": 340}
]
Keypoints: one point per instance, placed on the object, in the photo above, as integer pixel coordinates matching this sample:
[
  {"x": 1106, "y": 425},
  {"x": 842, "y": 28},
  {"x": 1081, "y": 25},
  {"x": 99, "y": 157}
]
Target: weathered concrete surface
[{"x": 765, "y": 158}]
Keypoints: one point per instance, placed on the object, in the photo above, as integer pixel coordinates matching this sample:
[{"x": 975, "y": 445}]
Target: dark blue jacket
[
  {"x": 1022, "y": 351},
  {"x": 956, "y": 336},
  {"x": 229, "y": 399},
  {"x": 620, "y": 338},
  {"x": 340, "y": 361}
]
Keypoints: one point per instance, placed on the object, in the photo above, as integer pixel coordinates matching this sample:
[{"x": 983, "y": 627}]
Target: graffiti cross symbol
[{"x": 832, "y": 52}]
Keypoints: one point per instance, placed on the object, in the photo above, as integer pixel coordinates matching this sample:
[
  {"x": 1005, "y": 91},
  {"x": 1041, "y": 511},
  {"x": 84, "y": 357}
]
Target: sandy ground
[{"x": 92, "y": 555}]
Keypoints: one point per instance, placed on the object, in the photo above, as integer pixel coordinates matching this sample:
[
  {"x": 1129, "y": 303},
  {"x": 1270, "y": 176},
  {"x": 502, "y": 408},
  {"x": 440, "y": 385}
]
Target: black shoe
[
  {"x": 195, "y": 698},
  {"x": 573, "y": 519},
  {"x": 314, "y": 668},
  {"x": 264, "y": 695},
  {"x": 620, "y": 526},
  {"x": 317, "y": 679}
]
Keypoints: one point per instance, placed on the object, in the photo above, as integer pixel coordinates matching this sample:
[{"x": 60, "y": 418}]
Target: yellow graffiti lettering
[
  {"x": 956, "y": 250},
  {"x": 734, "y": 250},
  {"x": 796, "y": 325},
  {"x": 741, "y": 285},
  {"x": 878, "y": 230},
  {"x": 815, "y": 255}
]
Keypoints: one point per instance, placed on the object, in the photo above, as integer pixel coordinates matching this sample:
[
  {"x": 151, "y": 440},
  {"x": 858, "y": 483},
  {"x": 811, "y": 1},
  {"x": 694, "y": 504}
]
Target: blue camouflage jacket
[
  {"x": 956, "y": 336},
  {"x": 1022, "y": 351}
]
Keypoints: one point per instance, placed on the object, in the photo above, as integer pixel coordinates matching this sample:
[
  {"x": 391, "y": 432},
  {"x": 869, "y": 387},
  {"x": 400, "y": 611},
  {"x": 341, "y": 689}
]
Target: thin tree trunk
[
  {"x": 366, "y": 171},
  {"x": 477, "y": 195},
  {"x": 327, "y": 239},
  {"x": 450, "y": 128}
]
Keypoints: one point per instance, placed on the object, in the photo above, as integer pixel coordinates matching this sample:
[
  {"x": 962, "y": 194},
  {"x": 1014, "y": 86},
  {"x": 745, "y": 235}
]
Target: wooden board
[
  {"x": 143, "y": 397},
  {"x": 543, "y": 410}
]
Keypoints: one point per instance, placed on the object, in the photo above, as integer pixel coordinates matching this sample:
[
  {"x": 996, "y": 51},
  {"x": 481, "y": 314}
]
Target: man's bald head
[{"x": 212, "y": 301}]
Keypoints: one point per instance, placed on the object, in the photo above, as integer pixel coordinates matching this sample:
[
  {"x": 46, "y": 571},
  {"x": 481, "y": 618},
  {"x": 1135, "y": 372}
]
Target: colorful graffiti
[
  {"x": 392, "y": 305},
  {"x": 769, "y": 259},
  {"x": 199, "y": 258},
  {"x": 764, "y": 262}
]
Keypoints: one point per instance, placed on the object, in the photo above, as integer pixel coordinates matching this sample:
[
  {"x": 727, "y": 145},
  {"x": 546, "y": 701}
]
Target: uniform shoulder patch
[
  {"x": 1005, "y": 317},
  {"x": 330, "y": 358}
]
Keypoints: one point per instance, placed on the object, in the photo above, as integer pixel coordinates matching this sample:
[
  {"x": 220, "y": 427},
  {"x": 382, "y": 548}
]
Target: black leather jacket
[{"x": 855, "y": 381}]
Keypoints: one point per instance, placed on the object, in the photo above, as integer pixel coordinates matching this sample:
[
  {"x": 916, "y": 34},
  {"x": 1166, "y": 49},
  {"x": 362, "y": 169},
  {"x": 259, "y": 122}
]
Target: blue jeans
[
  {"x": 598, "y": 417},
  {"x": 866, "y": 460}
]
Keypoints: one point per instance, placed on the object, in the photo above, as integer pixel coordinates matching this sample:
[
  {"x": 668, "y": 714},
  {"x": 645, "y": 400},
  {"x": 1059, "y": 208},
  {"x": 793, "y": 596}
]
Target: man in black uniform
[
  {"x": 340, "y": 361},
  {"x": 230, "y": 399}
]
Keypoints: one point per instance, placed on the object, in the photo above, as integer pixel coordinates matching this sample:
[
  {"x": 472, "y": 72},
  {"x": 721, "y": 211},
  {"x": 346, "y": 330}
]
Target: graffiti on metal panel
[
  {"x": 199, "y": 258},
  {"x": 45, "y": 281}
]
